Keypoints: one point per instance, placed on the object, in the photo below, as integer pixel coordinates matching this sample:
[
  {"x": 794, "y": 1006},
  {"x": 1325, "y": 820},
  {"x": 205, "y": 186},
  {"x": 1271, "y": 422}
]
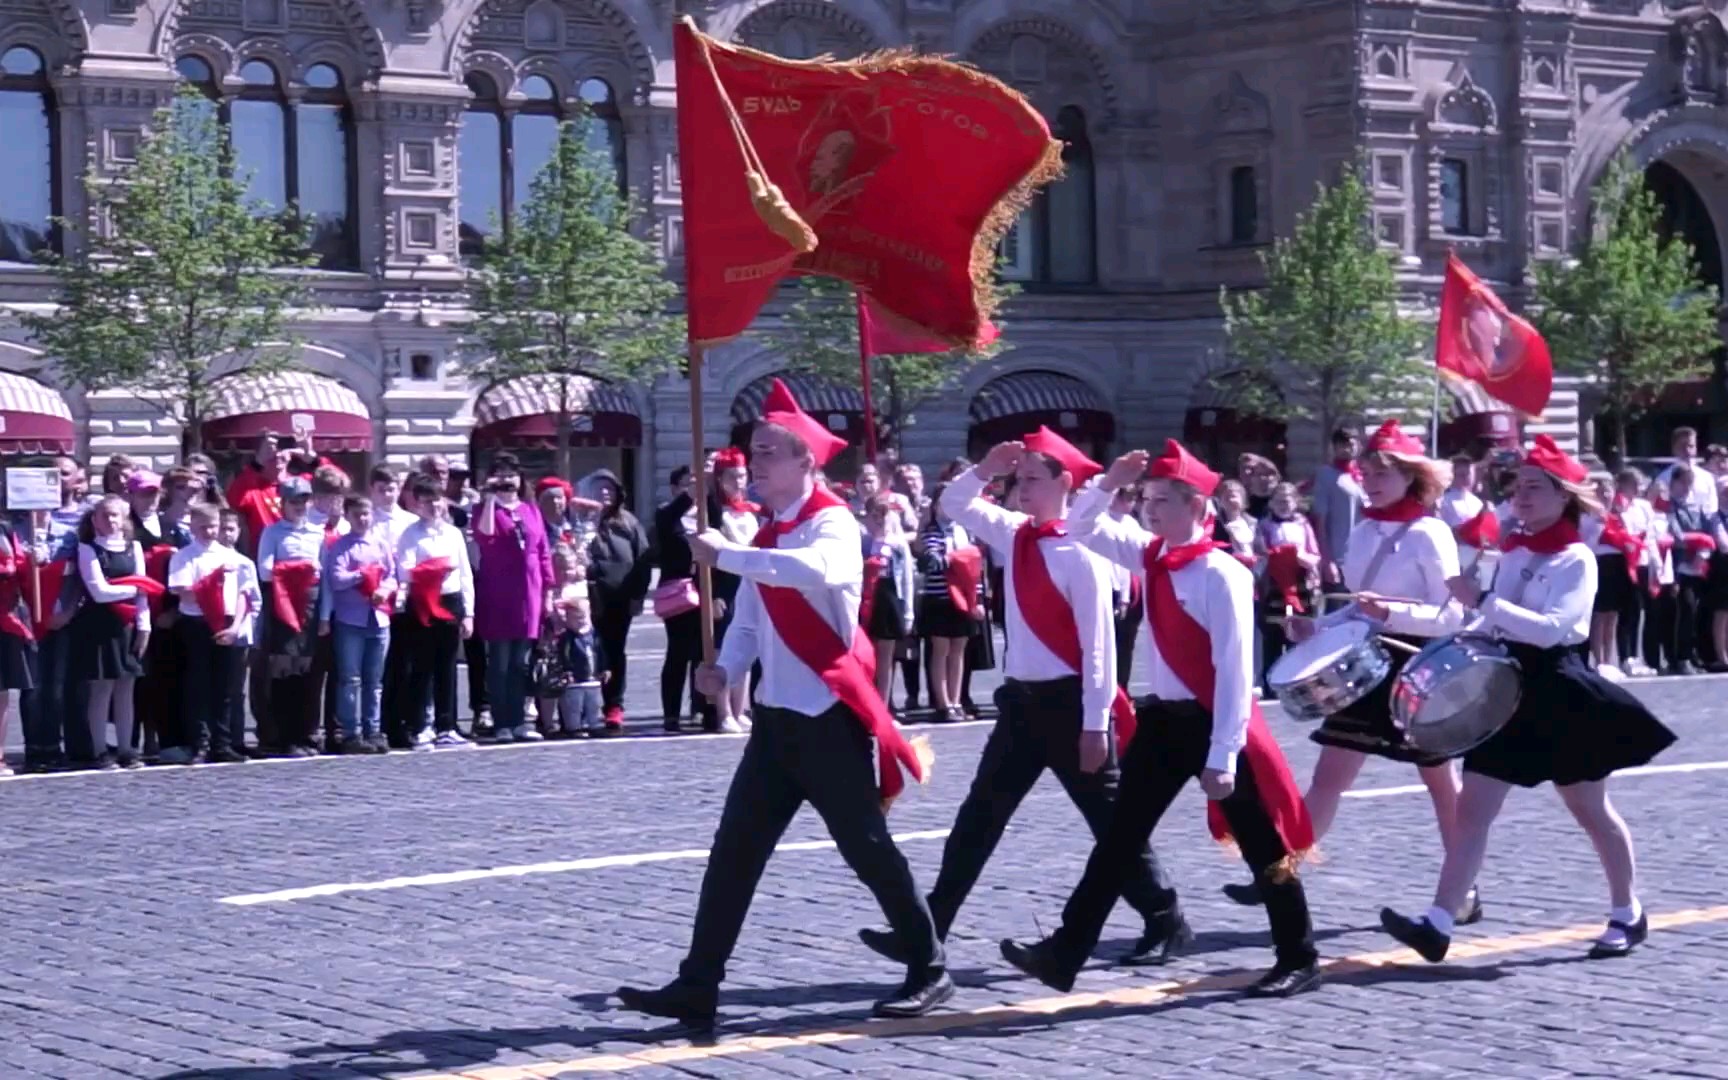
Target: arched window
[
  {"x": 1055, "y": 241},
  {"x": 295, "y": 157},
  {"x": 498, "y": 159},
  {"x": 29, "y": 194}
]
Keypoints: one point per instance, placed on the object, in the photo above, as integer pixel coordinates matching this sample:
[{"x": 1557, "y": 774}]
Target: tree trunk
[{"x": 565, "y": 419}]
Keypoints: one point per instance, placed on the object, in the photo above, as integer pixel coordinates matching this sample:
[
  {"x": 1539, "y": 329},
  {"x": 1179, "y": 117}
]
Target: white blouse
[
  {"x": 1542, "y": 600},
  {"x": 1416, "y": 568}
]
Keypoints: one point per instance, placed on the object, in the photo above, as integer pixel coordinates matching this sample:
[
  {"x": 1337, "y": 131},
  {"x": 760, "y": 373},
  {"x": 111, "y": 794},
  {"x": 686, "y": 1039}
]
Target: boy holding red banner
[
  {"x": 290, "y": 558},
  {"x": 1200, "y": 722},
  {"x": 816, "y": 718},
  {"x": 432, "y": 568},
  {"x": 214, "y": 617},
  {"x": 1060, "y": 697}
]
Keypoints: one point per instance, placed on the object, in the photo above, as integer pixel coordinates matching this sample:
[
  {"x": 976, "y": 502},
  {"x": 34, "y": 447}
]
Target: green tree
[
  {"x": 1327, "y": 324},
  {"x": 186, "y": 281},
  {"x": 568, "y": 290},
  {"x": 1631, "y": 309},
  {"x": 823, "y": 327}
]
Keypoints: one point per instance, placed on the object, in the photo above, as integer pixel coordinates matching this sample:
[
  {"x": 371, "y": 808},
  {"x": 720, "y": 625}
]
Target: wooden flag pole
[
  {"x": 864, "y": 381},
  {"x": 699, "y": 490}
]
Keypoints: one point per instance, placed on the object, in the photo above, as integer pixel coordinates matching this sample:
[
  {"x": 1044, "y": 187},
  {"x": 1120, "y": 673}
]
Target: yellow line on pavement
[{"x": 1004, "y": 1015}]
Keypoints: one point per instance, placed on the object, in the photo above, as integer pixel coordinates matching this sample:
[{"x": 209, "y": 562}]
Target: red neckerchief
[
  {"x": 1614, "y": 534},
  {"x": 1550, "y": 540},
  {"x": 426, "y": 591},
  {"x": 1186, "y": 647},
  {"x": 1409, "y": 508},
  {"x": 965, "y": 571},
  {"x": 874, "y": 567},
  {"x": 1481, "y": 531},
  {"x": 212, "y": 595},
  {"x": 1348, "y": 465},
  {"x": 291, "y": 585},
  {"x": 741, "y": 505},
  {"x": 1284, "y": 566},
  {"x": 847, "y": 669},
  {"x": 1047, "y": 613}
]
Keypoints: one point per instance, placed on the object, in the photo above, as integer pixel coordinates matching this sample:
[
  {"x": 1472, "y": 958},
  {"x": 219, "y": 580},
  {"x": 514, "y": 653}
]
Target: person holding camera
[{"x": 511, "y": 580}]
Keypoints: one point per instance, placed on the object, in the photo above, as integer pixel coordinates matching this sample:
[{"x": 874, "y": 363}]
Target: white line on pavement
[
  {"x": 453, "y": 877},
  {"x": 602, "y": 862}
]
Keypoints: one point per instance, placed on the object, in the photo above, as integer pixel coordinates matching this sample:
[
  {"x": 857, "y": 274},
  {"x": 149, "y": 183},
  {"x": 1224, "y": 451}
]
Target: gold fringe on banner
[
  {"x": 908, "y": 62},
  {"x": 1284, "y": 869},
  {"x": 926, "y": 755}
]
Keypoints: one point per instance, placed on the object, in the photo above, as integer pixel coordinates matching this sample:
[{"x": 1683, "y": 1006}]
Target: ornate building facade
[{"x": 1195, "y": 135}]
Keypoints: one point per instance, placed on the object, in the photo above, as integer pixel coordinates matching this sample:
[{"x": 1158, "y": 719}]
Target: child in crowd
[
  {"x": 1289, "y": 568},
  {"x": 290, "y": 561},
  {"x": 584, "y": 661},
  {"x": 228, "y": 533},
  {"x": 432, "y": 567},
  {"x": 214, "y": 617},
  {"x": 355, "y": 609},
  {"x": 570, "y": 583},
  {"x": 890, "y": 586},
  {"x": 111, "y": 630}
]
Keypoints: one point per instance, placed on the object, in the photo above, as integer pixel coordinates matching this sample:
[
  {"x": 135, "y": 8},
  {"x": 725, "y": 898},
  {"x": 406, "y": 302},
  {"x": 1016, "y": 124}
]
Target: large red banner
[
  {"x": 1479, "y": 340},
  {"x": 907, "y": 170}
]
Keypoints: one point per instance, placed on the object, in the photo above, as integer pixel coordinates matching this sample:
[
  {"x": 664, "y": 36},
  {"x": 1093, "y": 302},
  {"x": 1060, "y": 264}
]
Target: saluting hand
[
  {"x": 1002, "y": 459},
  {"x": 1126, "y": 470}
]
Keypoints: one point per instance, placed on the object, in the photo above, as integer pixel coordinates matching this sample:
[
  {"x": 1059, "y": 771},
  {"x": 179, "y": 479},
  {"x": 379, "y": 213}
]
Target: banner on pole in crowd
[
  {"x": 1482, "y": 344},
  {"x": 897, "y": 172}
]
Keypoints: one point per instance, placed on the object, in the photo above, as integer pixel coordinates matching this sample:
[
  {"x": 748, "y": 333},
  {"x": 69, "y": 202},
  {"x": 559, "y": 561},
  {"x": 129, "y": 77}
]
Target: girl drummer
[
  {"x": 1572, "y": 727},
  {"x": 1399, "y": 549}
]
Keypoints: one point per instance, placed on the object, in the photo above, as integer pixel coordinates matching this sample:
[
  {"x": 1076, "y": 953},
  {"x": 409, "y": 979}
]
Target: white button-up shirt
[
  {"x": 1457, "y": 507},
  {"x": 1082, "y": 577},
  {"x": 1217, "y": 592},
  {"x": 1542, "y": 600},
  {"x": 1416, "y": 568},
  {"x": 823, "y": 558},
  {"x": 420, "y": 543},
  {"x": 240, "y": 593}
]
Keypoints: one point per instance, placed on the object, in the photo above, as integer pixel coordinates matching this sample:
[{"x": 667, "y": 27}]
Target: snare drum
[
  {"x": 1331, "y": 671},
  {"x": 1456, "y": 693}
]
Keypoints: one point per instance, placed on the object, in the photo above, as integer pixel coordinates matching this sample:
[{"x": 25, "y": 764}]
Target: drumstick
[{"x": 1402, "y": 646}]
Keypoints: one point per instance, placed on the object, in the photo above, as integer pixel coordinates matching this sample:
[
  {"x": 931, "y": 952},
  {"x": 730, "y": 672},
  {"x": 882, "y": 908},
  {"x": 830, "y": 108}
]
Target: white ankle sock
[
  {"x": 1440, "y": 919},
  {"x": 1627, "y": 915}
]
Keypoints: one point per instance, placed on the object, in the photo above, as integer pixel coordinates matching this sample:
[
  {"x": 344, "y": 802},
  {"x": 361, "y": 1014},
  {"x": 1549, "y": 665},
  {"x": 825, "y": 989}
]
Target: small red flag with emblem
[{"x": 1479, "y": 340}]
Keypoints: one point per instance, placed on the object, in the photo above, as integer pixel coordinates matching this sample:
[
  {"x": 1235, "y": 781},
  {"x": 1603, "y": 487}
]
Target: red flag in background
[
  {"x": 882, "y": 333},
  {"x": 898, "y": 173},
  {"x": 1480, "y": 341}
]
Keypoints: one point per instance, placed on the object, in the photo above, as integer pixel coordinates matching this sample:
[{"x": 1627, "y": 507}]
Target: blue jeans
[
  {"x": 359, "y": 677},
  {"x": 507, "y": 682}
]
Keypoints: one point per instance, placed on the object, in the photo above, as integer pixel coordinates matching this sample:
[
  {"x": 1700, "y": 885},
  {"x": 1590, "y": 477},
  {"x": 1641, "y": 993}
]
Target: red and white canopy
[
  {"x": 248, "y": 405},
  {"x": 34, "y": 419},
  {"x": 522, "y": 413}
]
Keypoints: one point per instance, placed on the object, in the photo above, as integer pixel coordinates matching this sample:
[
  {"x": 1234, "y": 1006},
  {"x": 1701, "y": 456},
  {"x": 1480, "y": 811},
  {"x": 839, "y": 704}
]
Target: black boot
[
  {"x": 1165, "y": 936},
  {"x": 1418, "y": 934},
  {"x": 1040, "y": 961},
  {"x": 917, "y": 996},
  {"x": 1286, "y": 980},
  {"x": 692, "y": 1005}
]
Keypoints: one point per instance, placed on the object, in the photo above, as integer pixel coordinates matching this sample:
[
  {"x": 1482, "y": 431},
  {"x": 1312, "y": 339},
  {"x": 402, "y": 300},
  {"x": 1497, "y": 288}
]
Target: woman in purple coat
[{"x": 510, "y": 583}]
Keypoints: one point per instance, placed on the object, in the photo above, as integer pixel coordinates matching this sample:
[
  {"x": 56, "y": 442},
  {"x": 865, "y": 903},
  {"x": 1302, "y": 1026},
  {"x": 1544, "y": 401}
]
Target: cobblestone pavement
[{"x": 120, "y": 957}]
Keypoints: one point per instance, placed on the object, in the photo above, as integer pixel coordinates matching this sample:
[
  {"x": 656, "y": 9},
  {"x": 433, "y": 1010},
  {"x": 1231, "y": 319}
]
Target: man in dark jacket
[{"x": 618, "y": 573}]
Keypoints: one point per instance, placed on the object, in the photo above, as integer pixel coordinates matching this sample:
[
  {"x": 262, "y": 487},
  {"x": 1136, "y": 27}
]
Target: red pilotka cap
[
  {"x": 1546, "y": 455},
  {"x": 781, "y": 409},
  {"x": 1177, "y": 463},
  {"x": 1053, "y": 446},
  {"x": 1391, "y": 439}
]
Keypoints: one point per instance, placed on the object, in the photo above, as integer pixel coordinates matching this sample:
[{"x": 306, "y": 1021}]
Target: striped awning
[
  {"x": 815, "y": 395},
  {"x": 1024, "y": 393},
  {"x": 247, "y": 406},
  {"x": 33, "y": 418},
  {"x": 522, "y": 413}
]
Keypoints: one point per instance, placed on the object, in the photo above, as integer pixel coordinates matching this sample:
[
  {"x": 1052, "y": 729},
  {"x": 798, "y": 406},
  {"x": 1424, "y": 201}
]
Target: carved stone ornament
[
  {"x": 1465, "y": 107},
  {"x": 1699, "y": 50},
  {"x": 1241, "y": 110}
]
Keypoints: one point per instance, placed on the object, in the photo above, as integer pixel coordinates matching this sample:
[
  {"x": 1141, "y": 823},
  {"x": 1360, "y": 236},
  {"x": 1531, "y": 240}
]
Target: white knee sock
[{"x": 1440, "y": 919}]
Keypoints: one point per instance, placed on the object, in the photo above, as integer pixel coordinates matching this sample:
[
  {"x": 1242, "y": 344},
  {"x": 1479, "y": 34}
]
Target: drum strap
[{"x": 1381, "y": 553}]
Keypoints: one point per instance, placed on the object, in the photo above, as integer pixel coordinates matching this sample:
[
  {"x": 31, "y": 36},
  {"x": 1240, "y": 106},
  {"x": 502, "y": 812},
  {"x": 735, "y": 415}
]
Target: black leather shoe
[
  {"x": 1471, "y": 912},
  {"x": 1634, "y": 934},
  {"x": 1160, "y": 942},
  {"x": 1039, "y": 961},
  {"x": 675, "y": 1001},
  {"x": 1418, "y": 934},
  {"x": 1247, "y": 895},
  {"x": 883, "y": 943},
  {"x": 915, "y": 998},
  {"x": 1285, "y": 982}
]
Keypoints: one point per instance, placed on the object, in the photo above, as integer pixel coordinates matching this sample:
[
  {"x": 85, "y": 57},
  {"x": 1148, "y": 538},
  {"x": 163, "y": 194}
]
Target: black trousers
[
  {"x": 1038, "y": 728},
  {"x": 208, "y": 686},
  {"x": 474, "y": 653},
  {"x": 395, "y": 703},
  {"x": 1659, "y": 629},
  {"x": 159, "y": 697},
  {"x": 1688, "y": 616},
  {"x": 1170, "y": 749},
  {"x": 613, "y": 615},
  {"x": 1631, "y": 613},
  {"x": 914, "y": 669},
  {"x": 1127, "y": 633},
  {"x": 678, "y": 670},
  {"x": 829, "y": 761},
  {"x": 429, "y": 675}
]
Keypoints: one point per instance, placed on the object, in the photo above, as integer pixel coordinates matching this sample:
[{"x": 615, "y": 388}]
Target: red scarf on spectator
[
  {"x": 1409, "y": 508},
  {"x": 11, "y": 598},
  {"x": 371, "y": 584},
  {"x": 847, "y": 669},
  {"x": 965, "y": 571},
  {"x": 426, "y": 591},
  {"x": 127, "y": 610},
  {"x": 1047, "y": 614},
  {"x": 1553, "y": 539},
  {"x": 1614, "y": 534},
  {"x": 1481, "y": 531},
  {"x": 1349, "y": 465},
  {"x": 1187, "y": 648},
  {"x": 156, "y": 562},
  {"x": 1284, "y": 566},
  {"x": 874, "y": 567},
  {"x": 212, "y": 595},
  {"x": 291, "y": 585}
]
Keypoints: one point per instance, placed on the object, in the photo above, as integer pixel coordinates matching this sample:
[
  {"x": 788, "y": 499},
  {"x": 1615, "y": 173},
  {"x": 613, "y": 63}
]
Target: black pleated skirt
[
  {"x": 1613, "y": 585},
  {"x": 1571, "y": 726},
  {"x": 1367, "y": 725}
]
